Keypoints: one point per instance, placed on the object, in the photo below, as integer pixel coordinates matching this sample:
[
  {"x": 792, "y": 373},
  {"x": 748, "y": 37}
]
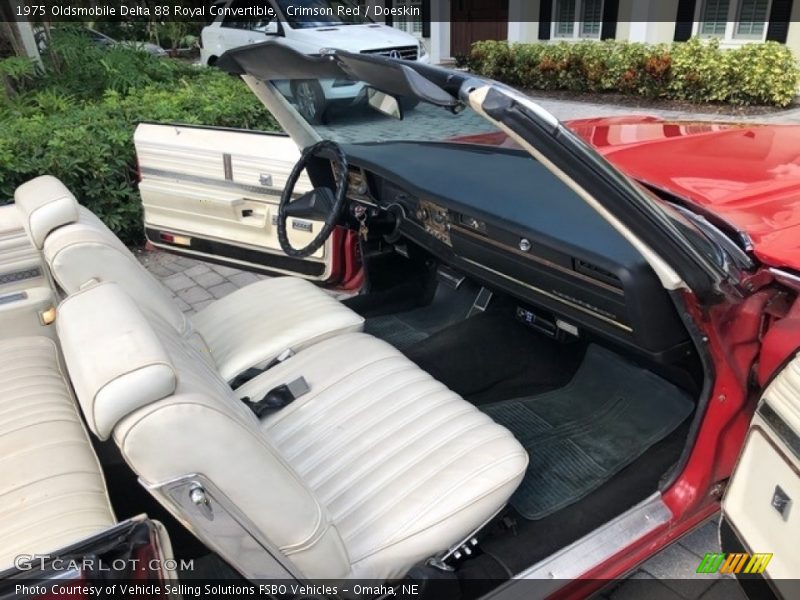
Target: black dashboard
[{"x": 503, "y": 219}]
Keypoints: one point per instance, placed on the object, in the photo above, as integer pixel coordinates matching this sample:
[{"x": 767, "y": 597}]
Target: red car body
[{"x": 746, "y": 177}]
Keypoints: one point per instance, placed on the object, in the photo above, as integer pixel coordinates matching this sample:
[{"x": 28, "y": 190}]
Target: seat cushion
[
  {"x": 256, "y": 323},
  {"x": 404, "y": 466},
  {"x": 52, "y": 492}
]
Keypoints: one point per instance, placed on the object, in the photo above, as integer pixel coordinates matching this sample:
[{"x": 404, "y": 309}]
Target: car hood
[
  {"x": 355, "y": 38},
  {"x": 745, "y": 175}
]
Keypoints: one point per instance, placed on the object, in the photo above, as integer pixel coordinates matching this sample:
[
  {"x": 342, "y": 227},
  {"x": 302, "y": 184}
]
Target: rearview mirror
[
  {"x": 271, "y": 28},
  {"x": 384, "y": 103}
]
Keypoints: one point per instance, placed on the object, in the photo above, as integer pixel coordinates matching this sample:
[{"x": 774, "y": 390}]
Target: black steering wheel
[{"x": 320, "y": 204}]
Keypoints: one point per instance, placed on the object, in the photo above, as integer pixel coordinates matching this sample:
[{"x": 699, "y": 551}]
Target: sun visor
[
  {"x": 271, "y": 61},
  {"x": 393, "y": 77}
]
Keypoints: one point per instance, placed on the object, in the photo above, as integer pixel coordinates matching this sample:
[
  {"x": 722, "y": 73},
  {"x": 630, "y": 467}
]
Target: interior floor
[{"x": 602, "y": 431}]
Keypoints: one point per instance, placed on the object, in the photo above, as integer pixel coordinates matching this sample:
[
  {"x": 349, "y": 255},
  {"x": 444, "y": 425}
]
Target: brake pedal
[
  {"x": 481, "y": 303},
  {"x": 450, "y": 277}
]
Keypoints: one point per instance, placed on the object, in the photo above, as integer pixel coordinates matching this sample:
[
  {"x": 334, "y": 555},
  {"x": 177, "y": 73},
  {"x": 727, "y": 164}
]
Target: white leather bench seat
[
  {"x": 376, "y": 467},
  {"x": 52, "y": 492},
  {"x": 400, "y": 462},
  {"x": 258, "y": 322},
  {"x": 248, "y": 328}
]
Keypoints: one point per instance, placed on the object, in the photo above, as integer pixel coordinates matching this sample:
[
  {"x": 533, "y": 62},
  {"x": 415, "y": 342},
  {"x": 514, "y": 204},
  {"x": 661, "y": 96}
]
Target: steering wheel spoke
[
  {"x": 320, "y": 204},
  {"x": 315, "y": 205}
]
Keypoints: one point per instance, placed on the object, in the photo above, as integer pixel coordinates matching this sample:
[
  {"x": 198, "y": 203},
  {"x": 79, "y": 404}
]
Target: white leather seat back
[
  {"x": 88, "y": 250},
  {"x": 79, "y": 248},
  {"x": 46, "y": 204},
  {"x": 51, "y": 485},
  {"x": 172, "y": 415}
]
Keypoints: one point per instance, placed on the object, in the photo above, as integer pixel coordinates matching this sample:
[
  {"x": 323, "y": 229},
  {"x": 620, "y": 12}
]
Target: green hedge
[
  {"x": 66, "y": 123},
  {"x": 696, "y": 71}
]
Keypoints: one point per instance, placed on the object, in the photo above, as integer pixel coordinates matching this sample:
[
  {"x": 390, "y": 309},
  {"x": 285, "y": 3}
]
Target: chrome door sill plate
[{"x": 591, "y": 550}]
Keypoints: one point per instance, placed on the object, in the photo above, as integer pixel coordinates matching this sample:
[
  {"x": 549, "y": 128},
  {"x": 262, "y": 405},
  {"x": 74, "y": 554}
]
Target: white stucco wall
[{"x": 793, "y": 39}]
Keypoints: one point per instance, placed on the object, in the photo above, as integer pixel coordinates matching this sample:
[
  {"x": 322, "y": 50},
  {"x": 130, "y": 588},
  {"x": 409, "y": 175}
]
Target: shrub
[
  {"x": 85, "y": 137},
  {"x": 696, "y": 71}
]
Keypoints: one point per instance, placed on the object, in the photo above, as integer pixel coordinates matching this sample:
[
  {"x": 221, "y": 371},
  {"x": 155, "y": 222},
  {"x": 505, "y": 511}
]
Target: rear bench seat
[{"x": 52, "y": 492}]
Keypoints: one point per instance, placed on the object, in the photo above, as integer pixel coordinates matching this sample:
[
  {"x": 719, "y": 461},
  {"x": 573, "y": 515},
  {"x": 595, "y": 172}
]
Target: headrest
[
  {"x": 115, "y": 360},
  {"x": 46, "y": 204}
]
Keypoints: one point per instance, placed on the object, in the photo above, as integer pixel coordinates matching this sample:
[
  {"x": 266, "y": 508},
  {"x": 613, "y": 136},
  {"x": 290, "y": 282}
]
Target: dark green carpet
[
  {"x": 582, "y": 434},
  {"x": 404, "y": 330}
]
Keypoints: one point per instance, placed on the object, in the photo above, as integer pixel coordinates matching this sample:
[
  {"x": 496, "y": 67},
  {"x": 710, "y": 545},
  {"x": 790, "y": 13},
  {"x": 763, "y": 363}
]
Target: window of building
[
  {"x": 577, "y": 19},
  {"x": 752, "y": 19},
  {"x": 733, "y": 20},
  {"x": 409, "y": 24}
]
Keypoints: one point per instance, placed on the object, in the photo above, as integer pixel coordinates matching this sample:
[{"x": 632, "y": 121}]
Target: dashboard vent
[{"x": 595, "y": 272}]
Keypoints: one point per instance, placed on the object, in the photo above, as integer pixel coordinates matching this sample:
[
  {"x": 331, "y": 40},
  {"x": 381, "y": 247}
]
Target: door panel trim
[
  {"x": 202, "y": 246},
  {"x": 780, "y": 428},
  {"x": 228, "y": 184}
]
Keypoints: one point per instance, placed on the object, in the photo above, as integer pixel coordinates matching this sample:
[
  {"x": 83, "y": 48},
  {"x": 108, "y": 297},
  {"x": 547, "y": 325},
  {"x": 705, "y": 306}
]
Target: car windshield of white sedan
[
  {"x": 338, "y": 110},
  {"x": 307, "y": 14}
]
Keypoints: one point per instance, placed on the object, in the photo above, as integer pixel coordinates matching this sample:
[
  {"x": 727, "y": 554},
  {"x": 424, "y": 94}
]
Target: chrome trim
[
  {"x": 780, "y": 427},
  {"x": 786, "y": 275},
  {"x": 552, "y": 296},
  {"x": 303, "y": 225},
  {"x": 593, "y": 549},
  {"x": 204, "y": 510},
  {"x": 227, "y": 166},
  {"x": 525, "y": 101},
  {"x": 226, "y": 183},
  {"x": 538, "y": 259}
]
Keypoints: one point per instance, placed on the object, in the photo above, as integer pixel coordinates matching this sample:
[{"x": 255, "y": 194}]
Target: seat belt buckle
[
  {"x": 278, "y": 397},
  {"x": 298, "y": 387},
  {"x": 254, "y": 372}
]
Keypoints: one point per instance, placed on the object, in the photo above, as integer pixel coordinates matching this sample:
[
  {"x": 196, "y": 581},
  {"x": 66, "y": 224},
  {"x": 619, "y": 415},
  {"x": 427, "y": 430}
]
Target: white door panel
[
  {"x": 20, "y": 261},
  {"x": 223, "y": 186},
  {"x": 762, "y": 501}
]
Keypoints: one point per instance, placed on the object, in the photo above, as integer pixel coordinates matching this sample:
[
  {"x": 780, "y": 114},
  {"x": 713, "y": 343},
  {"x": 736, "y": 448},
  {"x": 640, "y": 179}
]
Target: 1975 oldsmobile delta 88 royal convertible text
[{"x": 567, "y": 344}]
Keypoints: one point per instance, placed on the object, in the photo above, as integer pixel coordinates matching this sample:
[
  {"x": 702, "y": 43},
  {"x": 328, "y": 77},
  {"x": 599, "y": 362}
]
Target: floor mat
[
  {"x": 403, "y": 330},
  {"x": 582, "y": 434}
]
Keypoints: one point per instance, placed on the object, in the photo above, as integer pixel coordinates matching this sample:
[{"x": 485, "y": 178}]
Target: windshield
[
  {"x": 306, "y": 14},
  {"x": 338, "y": 110}
]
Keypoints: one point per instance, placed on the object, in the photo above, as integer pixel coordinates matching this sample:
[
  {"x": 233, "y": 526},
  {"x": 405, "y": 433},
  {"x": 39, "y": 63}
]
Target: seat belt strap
[
  {"x": 254, "y": 372},
  {"x": 278, "y": 397}
]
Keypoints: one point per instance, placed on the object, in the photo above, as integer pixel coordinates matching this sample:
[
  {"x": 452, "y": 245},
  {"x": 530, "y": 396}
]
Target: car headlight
[{"x": 423, "y": 49}]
